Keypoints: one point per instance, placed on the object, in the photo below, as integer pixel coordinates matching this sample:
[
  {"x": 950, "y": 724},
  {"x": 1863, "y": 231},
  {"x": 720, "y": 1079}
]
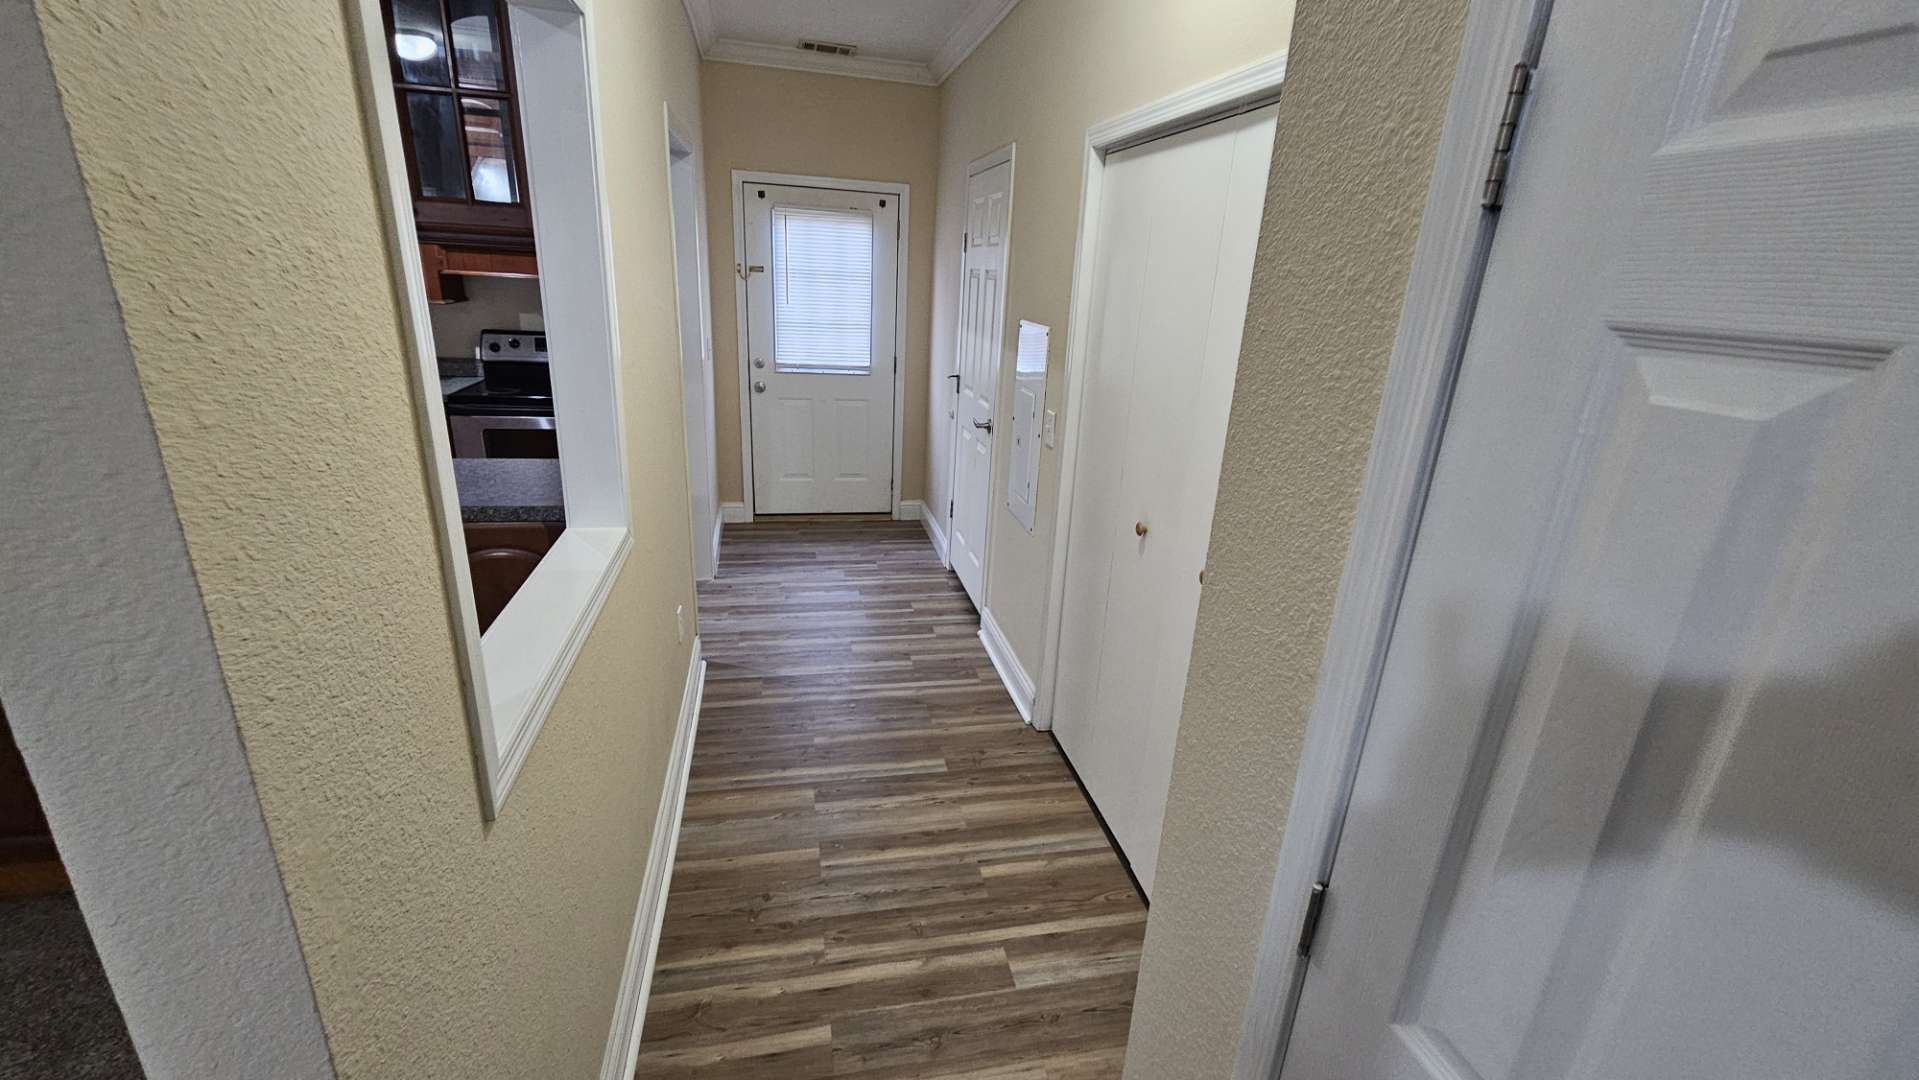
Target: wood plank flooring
[{"x": 883, "y": 873}]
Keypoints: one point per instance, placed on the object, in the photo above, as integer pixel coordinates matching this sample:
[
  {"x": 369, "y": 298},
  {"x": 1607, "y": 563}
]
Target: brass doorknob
[{"x": 1139, "y": 528}]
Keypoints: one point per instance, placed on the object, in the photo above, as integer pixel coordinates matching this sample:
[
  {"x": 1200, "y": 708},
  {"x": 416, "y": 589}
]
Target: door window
[{"x": 822, "y": 291}]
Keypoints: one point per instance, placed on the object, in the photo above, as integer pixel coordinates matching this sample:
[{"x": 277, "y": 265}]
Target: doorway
[
  {"x": 1634, "y": 798},
  {"x": 1178, "y": 223},
  {"x": 982, "y": 328},
  {"x": 696, "y": 354},
  {"x": 820, "y": 272}
]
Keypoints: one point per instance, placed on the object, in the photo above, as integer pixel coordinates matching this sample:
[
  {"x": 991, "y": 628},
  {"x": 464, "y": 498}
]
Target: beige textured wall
[
  {"x": 224, "y": 151},
  {"x": 1046, "y": 74},
  {"x": 773, "y": 120},
  {"x": 1359, "y": 127}
]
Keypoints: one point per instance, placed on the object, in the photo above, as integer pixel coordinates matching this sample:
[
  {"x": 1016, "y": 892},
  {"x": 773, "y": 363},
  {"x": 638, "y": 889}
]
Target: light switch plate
[{"x": 1046, "y": 428}]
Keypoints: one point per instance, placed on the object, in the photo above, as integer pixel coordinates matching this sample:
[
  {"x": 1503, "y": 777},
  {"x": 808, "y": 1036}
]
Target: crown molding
[
  {"x": 981, "y": 19},
  {"x": 729, "y": 51},
  {"x": 701, "y": 16}
]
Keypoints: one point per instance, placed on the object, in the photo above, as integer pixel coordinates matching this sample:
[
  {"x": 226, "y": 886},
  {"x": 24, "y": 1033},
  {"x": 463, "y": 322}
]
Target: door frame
[
  {"x": 1442, "y": 292},
  {"x": 691, "y": 272},
  {"x": 1238, "y": 91},
  {"x": 743, "y": 177},
  {"x": 1003, "y": 155}
]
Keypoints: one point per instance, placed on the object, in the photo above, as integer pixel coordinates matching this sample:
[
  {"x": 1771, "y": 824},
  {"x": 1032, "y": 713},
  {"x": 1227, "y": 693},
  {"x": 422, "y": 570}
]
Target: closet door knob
[
  {"x": 759, "y": 388},
  {"x": 1139, "y": 528}
]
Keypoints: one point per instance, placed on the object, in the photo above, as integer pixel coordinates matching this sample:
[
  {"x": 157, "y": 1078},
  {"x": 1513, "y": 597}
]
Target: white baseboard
[
  {"x": 910, "y": 510},
  {"x": 623, "y": 1045},
  {"x": 735, "y": 513},
  {"x": 937, "y": 535},
  {"x": 1018, "y": 683}
]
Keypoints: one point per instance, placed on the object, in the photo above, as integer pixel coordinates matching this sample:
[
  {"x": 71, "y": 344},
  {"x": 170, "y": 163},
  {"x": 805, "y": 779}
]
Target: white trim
[
  {"x": 636, "y": 979},
  {"x": 692, "y": 289},
  {"x": 532, "y": 644},
  {"x": 990, "y": 159},
  {"x": 1236, "y": 90},
  {"x": 112, "y": 684},
  {"x": 735, "y": 513},
  {"x": 742, "y": 177},
  {"x": 978, "y": 22},
  {"x": 1447, "y": 262},
  {"x": 759, "y": 54},
  {"x": 936, "y": 534},
  {"x": 511, "y": 687},
  {"x": 1019, "y": 685},
  {"x": 910, "y": 510},
  {"x": 973, "y": 29},
  {"x": 1241, "y": 89}
]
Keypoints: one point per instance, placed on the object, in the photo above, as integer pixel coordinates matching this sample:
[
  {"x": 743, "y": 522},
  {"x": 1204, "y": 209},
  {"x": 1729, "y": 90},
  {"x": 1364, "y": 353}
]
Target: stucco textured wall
[
  {"x": 228, "y": 167},
  {"x": 1359, "y": 127},
  {"x": 1053, "y": 69},
  {"x": 773, "y": 120}
]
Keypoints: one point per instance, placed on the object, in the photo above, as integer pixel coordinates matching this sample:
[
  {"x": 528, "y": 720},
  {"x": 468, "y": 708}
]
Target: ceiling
[{"x": 914, "y": 41}]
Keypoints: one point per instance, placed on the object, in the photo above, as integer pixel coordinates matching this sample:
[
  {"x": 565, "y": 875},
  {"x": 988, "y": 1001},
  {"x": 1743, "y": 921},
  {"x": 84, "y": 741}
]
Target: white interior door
[
  {"x": 821, "y": 271},
  {"x": 981, "y": 331},
  {"x": 1638, "y": 796},
  {"x": 1178, "y": 223}
]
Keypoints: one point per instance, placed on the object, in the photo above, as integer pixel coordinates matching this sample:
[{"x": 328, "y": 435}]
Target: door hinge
[
  {"x": 1309, "y": 927},
  {"x": 1516, "y": 91},
  {"x": 949, "y": 508},
  {"x": 966, "y": 241}
]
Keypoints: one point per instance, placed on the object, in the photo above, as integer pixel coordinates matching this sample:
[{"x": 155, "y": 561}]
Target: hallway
[{"x": 881, "y": 872}]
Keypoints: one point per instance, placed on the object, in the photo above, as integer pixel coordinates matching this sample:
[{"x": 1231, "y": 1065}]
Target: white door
[
  {"x": 821, "y": 274},
  {"x": 1177, "y": 228},
  {"x": 1640, "y": 795},
  {"x": 981, "y": 329}
]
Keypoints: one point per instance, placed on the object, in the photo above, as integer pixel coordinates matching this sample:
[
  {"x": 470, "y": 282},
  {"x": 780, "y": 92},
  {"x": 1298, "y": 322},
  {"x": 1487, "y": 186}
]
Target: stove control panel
[{"x": 512, "y": 345}]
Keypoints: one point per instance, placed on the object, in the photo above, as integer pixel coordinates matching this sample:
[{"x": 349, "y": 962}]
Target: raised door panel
[
  {"x": 977, "y": 367},
  {"x": 1636, "y": 796}
]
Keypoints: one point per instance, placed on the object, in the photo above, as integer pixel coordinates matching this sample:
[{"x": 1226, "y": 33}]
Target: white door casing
[
  {"x": 822, "y": 441},
  {"x": 1178, "y": 227},
  {"x": 982, "y": 327},
  {"x": 696, "y": 353},
  {"x": 1636, "y": 799}
]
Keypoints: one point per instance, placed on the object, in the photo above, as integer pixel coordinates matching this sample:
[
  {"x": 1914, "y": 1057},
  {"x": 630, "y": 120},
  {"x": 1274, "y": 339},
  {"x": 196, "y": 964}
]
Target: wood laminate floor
[{"x": 882, "y": 873}]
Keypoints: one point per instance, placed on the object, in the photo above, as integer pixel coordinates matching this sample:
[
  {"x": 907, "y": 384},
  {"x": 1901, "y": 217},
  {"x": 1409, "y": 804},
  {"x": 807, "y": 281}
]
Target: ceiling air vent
[{"x": 830, "y": 48}]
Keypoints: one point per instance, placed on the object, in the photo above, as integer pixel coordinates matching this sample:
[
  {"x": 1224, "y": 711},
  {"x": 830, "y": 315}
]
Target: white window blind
[{"x": 822, "y": 290}]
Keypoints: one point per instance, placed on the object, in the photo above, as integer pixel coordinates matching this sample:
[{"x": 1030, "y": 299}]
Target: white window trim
[
  {"x": 741, "y": 177},
  {"x": 513, "y": 672}
]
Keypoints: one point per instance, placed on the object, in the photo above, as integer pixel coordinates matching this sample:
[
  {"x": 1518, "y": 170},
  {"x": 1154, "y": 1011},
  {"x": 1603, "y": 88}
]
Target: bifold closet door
[{"x": 1178, "y": 222}]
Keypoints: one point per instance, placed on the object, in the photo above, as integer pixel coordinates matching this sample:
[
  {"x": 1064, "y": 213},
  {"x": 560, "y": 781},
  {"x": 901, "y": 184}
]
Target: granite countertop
[
  {"x": 452, "y": 386},
  {"x": 509, "y": 489}
]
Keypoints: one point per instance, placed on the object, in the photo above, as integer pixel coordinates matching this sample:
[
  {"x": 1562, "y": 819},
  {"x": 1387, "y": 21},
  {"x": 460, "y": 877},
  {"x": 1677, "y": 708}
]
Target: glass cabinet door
[{"x": 453, "y": 75}]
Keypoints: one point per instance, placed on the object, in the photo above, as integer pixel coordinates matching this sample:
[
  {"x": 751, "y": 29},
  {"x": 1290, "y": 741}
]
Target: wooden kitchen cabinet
[
  {"x": 452, "y": 73},
  {"x": 500, "y": 556}
]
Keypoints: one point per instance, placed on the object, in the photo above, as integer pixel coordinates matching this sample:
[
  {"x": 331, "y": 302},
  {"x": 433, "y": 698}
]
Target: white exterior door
[
  {"x": 981, "y": 330},
  {"x": 821, "y": 274},
  {"x": 1177, "y": 228},
  {"x": 1638, "y": 797}
]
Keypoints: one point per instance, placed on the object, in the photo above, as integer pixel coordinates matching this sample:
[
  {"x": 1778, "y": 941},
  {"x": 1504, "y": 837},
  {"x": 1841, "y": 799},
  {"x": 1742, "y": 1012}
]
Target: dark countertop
[{"x": 509, "y": 489}]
